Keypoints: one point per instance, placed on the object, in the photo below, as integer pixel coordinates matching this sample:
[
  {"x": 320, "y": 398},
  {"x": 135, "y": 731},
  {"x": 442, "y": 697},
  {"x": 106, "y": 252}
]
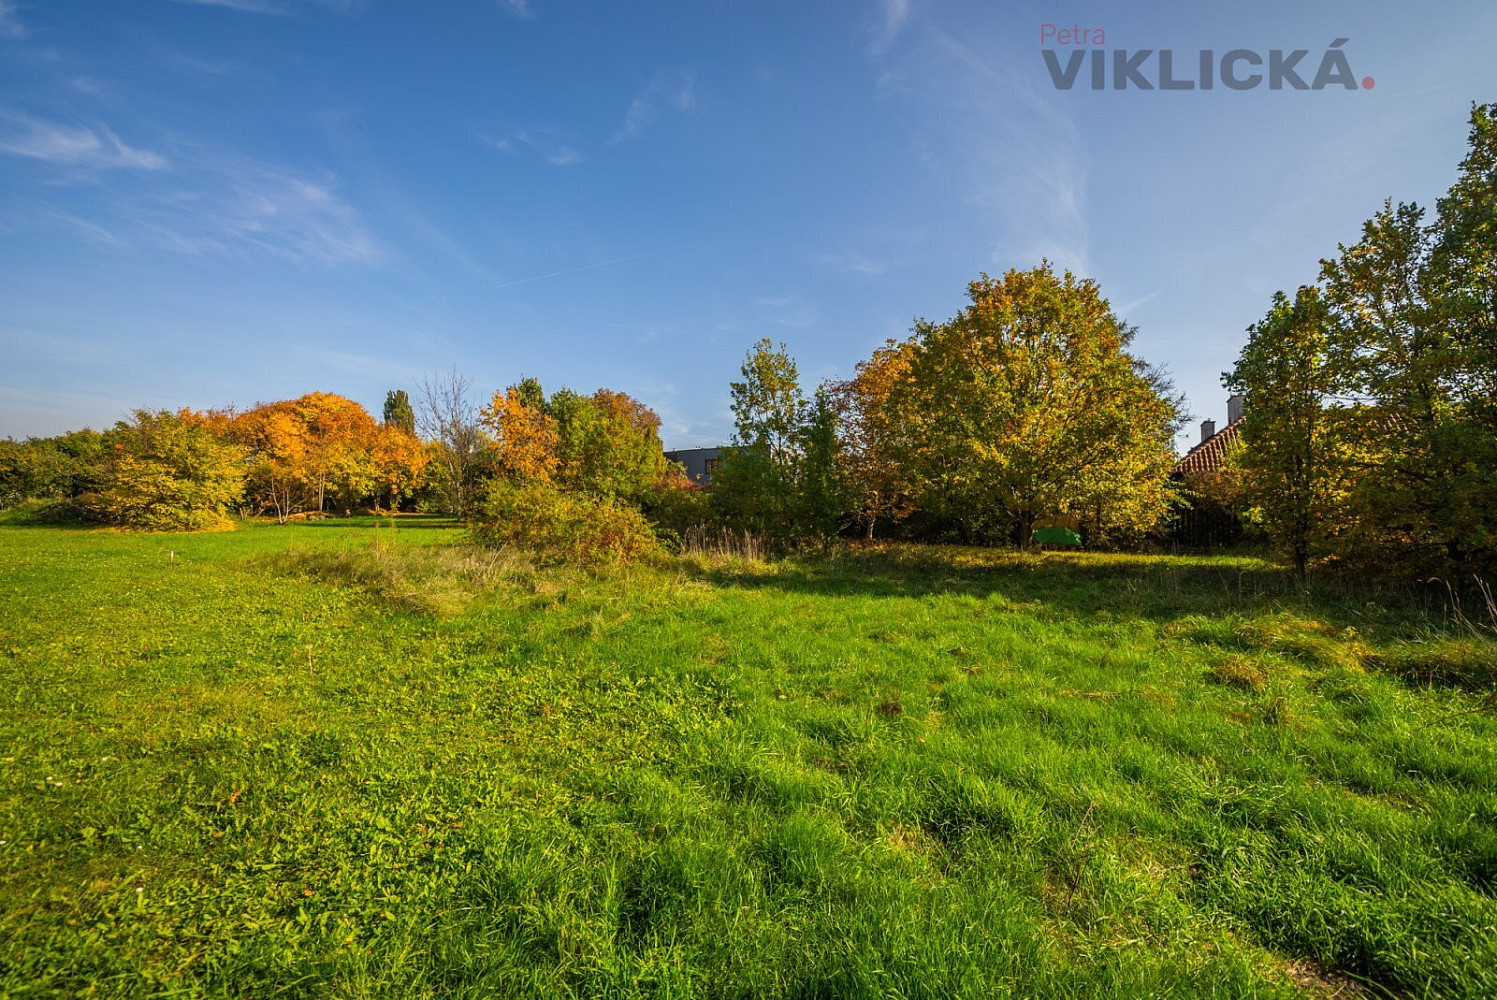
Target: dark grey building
[{"x": 699, "y": 463}]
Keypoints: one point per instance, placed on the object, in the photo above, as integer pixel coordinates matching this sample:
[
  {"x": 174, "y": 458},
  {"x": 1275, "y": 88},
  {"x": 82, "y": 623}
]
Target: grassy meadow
[{"x": 351, "y": 759}]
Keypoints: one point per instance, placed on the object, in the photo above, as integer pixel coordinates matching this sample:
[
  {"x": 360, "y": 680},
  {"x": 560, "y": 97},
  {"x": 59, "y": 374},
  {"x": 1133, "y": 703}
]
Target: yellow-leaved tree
[
  {"x": 166, "y": 471},
  {"x": 1024, "y": 405}
]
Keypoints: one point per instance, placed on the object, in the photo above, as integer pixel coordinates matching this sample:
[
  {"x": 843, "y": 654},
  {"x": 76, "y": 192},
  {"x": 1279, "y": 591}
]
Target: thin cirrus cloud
[
  {"x": 197, "y": 203},
  {"x": 1017, "y": 153},
  {"x": 518, "y": 9},
  {"x": 280, "y": 8},
  {"x": 28, "y": 213},
  {"x": 238, "y": 207},
  {"x": 853, "y": 262},
  {"x": 10, "y": 23},
  {"x": 1014, "y": 150},
  {"x": 892, "y": 17},
  {"x": 675, "y": 91},
  {"x": 247, "y": 6},
  {"x": 73, "y": 145},
  {"x": 554, "y": 152}
]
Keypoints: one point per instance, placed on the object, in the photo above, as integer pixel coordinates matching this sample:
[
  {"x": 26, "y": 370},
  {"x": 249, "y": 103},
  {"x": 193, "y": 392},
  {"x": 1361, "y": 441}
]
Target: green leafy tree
[
  {"x": 1389, "y": 368},
  {"x": 1464, "y": 265},
  {"x": 166, "y": 472},
  {"x": 607, "y": 444},
  {"x": 823, "y": 498},
  {"x": 398, "y": 411},
  {"x": 754, "y": 486},
  {"x": 1463, "y": 269},
  {"x": 1290, "y": 458},
  {"x": 1413, "y": 361},
  {"x": 1028, "y": 404},
  {"x": 56, "y": 468}
]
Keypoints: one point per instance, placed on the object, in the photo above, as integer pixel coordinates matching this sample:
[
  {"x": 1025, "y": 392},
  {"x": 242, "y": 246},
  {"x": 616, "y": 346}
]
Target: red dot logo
[{"x": 1368, "y": 83}]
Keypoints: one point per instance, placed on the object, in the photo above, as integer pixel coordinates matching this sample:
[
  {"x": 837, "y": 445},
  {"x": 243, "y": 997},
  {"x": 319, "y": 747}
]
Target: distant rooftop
[{"x": 1209, "y": 455}]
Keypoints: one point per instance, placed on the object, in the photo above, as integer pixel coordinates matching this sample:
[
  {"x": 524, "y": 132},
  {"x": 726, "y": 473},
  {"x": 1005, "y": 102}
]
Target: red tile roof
[{"x": 1210, "y": 453}]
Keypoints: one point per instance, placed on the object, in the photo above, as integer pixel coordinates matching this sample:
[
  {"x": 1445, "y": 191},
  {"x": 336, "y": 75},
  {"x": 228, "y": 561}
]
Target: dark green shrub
[{"x": 678, "y": 509}]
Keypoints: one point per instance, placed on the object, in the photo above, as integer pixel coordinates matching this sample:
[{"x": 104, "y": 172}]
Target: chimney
[
  {"x": 1234, "y": 407},
  {"x": 1208, "y": 430}
]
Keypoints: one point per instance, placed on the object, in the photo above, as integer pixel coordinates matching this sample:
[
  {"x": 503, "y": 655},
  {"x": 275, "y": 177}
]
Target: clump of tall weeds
[{"x": 434, "y": 579}]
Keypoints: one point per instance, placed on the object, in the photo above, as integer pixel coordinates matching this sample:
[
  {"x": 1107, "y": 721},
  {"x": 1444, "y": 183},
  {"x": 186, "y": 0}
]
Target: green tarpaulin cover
[{"x": 1056, "y": 536}]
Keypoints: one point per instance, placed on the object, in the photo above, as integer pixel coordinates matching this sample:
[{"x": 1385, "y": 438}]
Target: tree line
[
  {"x": 192, "y": 470},
  {"x": 1370, "y": 435},
  {"x": 1027, "y": 405}
]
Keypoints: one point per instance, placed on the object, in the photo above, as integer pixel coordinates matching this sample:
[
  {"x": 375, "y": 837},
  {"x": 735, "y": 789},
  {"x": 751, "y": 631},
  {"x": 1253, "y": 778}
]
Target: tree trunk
[{"x": 1026, "y": 530}]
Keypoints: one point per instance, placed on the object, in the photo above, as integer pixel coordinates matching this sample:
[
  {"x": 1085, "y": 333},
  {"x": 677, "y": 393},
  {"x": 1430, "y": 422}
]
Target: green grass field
[{"x": 345, "y": 760}]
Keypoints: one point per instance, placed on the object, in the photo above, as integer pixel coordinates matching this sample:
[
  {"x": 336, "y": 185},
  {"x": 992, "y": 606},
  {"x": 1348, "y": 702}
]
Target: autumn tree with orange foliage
[
  {"x": 606, "y": 444},
  {"x": 400, "y": 462},
  {"x": 275, "y": 440},
  {"x": 301, "y": 451},
  {"x": 524, "y": 434}
]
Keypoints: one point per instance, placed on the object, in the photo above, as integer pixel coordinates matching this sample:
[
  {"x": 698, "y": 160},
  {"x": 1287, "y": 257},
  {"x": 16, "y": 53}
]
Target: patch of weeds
[
  {"x": 440, "y": 580},
  {"x": 1240, "y": 672},
  {"x": 1307, "y": 640},
  {"x": 1464, "y": 663},
  {"x": 1275, "y": 711}
]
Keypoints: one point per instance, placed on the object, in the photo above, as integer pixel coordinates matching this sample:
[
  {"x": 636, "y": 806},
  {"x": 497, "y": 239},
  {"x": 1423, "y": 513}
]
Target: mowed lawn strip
[{"x": 356, "y": 758}]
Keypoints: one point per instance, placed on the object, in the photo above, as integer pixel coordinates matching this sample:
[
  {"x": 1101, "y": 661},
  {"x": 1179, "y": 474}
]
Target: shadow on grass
[
  {"x": 1158, "y": 587},
  {"x": 1234, "y": 604},
  {"x": 61, "y": 516}
]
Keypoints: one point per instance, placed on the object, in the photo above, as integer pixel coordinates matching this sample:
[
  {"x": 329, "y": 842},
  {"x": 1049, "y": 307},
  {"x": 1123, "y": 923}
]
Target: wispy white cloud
[
  {"x": 76, "y": 145},
  {"x": 25, "y": 213},
  {"x": 574, "y": 270},
  {"x": 542, "y": 142},
  {"x": 853, "y": 262},
  {"x": 1138, "y": 303},
  {"x": 10, "y": 22},
  {"x": 280, "y": 8},
  {"x": 183, "y": 62},
  {"x": 247, "y": 6},
  {"x": 1015, "y": 149},
  {"x": 368, "y": 365},
  {"x": 675, "y": 91},
  {"x": 892, "y": 17},
  {"x": 787, "y": 310},
  {"x": 88, "y": 85},
  {"x": 643, "y": 334},
  {"x": 236, "y": 207},
  {"x": 201, "y": 203},
  {"x": 519, "y": 9}
]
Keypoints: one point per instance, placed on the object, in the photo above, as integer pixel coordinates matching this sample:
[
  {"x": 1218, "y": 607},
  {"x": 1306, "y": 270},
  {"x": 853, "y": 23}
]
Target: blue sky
[{"x": 241, "y": 200}]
